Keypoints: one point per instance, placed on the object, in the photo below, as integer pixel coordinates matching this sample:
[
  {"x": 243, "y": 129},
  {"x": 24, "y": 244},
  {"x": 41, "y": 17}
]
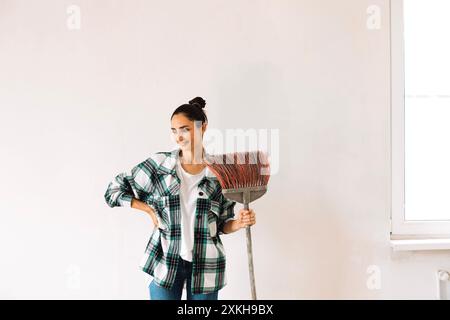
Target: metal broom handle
[{"x": 250, "y": 257}]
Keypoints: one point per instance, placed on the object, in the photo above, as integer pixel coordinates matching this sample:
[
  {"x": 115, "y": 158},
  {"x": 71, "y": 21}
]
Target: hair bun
[{"x": 198, "y": 101}]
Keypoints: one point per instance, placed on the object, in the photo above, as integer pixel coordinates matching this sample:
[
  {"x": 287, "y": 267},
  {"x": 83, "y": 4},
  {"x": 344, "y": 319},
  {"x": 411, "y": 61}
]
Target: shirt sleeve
[
  {"x": 135, "y": 183},
  {"x": 226, "y": 214}
]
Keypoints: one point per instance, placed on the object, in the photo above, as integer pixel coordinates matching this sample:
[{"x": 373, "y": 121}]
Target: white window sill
[{"x": 420, "y": 244}]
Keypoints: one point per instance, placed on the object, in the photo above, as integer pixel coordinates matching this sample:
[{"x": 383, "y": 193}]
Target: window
[{"x": 420, "y": 117}]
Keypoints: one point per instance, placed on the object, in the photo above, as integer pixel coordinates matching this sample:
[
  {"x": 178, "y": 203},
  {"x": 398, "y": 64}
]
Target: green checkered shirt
[{"x": 155, "y": 182}]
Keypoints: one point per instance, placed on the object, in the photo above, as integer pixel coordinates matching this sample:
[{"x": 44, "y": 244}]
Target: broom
[{"x": 243, "y": 177}]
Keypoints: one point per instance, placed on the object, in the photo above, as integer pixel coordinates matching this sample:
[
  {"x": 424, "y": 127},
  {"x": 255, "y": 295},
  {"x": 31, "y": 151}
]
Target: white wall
[{"x": 78, "y": 107}]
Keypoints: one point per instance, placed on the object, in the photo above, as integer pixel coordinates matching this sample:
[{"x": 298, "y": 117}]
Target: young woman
[{"x": 184, "y": 199}]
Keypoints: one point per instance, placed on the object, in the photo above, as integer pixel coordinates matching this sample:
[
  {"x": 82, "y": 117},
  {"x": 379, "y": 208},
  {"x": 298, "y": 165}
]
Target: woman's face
[{"x": 184, "y": 134}]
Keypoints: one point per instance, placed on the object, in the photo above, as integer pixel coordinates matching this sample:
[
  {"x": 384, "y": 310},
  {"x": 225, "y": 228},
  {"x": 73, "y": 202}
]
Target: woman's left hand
[{"x": 246, "y": 218}]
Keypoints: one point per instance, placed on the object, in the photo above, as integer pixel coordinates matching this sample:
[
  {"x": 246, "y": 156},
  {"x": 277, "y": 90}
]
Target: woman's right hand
[
  {"x": 152, "y": 214},
  {"x": 140, "y": 205}
]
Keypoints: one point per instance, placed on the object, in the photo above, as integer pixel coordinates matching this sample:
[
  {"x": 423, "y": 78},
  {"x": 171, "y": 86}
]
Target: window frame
[{"x": 399, "y": 225}]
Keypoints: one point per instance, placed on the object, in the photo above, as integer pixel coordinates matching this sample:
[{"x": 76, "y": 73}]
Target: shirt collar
[{"x": 168, "y": 166}]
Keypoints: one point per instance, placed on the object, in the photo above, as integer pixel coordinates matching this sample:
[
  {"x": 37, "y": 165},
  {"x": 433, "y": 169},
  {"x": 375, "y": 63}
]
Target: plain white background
[{"x": 80, "y": 106}]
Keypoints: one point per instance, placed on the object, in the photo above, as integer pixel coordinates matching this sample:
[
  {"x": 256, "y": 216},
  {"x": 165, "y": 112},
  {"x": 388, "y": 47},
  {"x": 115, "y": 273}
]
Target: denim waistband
[{"x": 185, "y": 263}]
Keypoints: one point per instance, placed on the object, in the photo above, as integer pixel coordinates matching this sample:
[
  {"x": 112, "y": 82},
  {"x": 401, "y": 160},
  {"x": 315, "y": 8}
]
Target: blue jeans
[{"x": 184, "y": 273}]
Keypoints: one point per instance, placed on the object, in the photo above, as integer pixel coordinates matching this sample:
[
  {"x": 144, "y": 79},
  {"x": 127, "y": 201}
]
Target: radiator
[{"x": 443, "y": 284}]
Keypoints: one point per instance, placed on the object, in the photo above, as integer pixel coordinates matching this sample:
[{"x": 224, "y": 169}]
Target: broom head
[{"x": 243, "y": 176}]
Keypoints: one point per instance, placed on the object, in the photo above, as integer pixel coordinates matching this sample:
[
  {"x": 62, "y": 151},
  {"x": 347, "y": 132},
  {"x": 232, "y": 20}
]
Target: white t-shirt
[{"x": 188, "y": 202}]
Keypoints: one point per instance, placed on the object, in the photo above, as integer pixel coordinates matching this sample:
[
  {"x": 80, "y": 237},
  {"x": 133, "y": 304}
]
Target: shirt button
[{"x": 200, "y": 193}]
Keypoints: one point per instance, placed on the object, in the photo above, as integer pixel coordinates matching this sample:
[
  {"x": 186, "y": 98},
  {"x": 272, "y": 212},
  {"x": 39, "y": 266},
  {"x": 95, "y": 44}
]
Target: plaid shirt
[{"x": 156, "y": 183}]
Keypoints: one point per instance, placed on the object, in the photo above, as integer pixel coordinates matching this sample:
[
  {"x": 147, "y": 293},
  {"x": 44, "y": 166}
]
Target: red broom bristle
[{"x": 240, "y": 169}]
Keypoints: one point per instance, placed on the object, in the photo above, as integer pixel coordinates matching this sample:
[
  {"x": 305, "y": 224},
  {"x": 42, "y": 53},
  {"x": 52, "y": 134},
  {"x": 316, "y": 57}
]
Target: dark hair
[{"x": 193, "y": 110}]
